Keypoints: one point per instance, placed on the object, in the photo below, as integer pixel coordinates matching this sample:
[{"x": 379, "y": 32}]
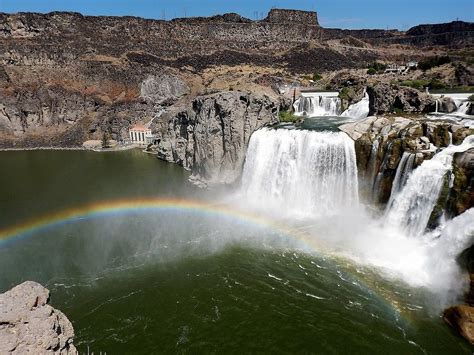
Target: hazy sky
[{"x": 400, "y": 14}]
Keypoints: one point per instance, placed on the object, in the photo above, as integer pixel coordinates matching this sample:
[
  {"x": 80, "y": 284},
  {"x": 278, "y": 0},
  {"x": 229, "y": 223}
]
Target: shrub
[
  {"x": 317, "y": 77},
  {"x": 379, "y": 67},
  {"x": 372, "y": 71},
  {"x": 436, "y": 84},
  {"x": 344, "y": 94},
  {"x": 286, "y": 116}
]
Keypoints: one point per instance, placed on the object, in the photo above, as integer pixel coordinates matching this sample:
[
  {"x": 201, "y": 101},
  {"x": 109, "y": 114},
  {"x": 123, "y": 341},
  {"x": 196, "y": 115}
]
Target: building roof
[{"x": 139, "y": 127}]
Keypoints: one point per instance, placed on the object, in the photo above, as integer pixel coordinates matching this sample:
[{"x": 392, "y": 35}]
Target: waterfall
[
  {"x": 318, "y": 104},
  {"x": 404, "y": 170},
  {"x": 412, "y": 207},
  {"x": 463, "y": 108},
  {"x": 358, "y": 110},
  {"x": 301, "y": 173}
]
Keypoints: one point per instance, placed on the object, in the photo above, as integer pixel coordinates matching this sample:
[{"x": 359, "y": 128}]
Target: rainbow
[
  {"x": 123, "y": 206},
  {"x": 156, "y": 205}
]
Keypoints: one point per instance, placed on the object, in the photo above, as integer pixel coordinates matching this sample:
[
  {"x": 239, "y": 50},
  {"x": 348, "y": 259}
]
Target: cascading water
[
  {"x": 299, "y": 172},
  {"x": 358, "y": 110},
  {"x": 463, "y": 108},
  {"x": 412, "y": 207},
  {"x": 404, "y": 170},
  {"x": 318, "y": 104},
  {"x": 309, "y": 178}
]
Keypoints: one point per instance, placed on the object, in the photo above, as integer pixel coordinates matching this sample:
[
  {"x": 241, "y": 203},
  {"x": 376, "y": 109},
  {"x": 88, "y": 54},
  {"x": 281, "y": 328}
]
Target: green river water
[{"x": 175, "y": 281}]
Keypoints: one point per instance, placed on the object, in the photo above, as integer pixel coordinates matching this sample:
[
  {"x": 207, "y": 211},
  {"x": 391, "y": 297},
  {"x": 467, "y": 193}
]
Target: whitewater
[{"x": 309, "y": 179}]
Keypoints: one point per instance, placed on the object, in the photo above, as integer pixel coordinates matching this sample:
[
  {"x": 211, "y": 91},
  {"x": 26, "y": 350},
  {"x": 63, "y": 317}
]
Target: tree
[{"x": 105, "y": 140}]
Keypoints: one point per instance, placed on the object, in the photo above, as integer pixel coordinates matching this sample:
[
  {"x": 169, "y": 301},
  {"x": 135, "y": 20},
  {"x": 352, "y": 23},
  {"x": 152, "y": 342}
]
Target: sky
[{"x": 353, "y": 14}]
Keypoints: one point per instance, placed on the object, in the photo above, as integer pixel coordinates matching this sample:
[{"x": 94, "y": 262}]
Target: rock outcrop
[
  {"x": 28, "y": 324},
  {"x": 381, "y": 141},
  {"x": 211, "y": 137},
  {"x": 162, "y": 89},
  {"x": 461, "y": 319},
  {"x": 385, "y": 98},
  {"x": 446, "y": 105},
  {"x": 461, "y": 195}
]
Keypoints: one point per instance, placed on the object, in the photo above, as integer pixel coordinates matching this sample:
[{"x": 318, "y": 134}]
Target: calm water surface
[{"x": 175, "y": 281}]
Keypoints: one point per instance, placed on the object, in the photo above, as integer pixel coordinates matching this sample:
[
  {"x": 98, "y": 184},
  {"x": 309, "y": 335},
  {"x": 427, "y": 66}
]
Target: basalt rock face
[
  {"x": 28, "y": 324},
  {"x": 210, "y": 138},
  {"x": 385, "y": 98},
  {"x": 461, "y": 196},
  {"x": 381, "y": 141}
]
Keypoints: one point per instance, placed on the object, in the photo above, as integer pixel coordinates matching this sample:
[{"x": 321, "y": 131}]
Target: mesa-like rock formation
[
  {"x": 66, "y": 78},
  {"x": 210, "y": 137},
  {"x": 28, "y": 324}
]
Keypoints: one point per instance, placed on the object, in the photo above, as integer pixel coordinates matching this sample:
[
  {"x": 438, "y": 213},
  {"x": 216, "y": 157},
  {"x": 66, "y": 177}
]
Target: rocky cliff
[
  {"x": 28, "y": 324},
  {"x": 381, "y": 141},
  {"x": 210, "y": 138}
]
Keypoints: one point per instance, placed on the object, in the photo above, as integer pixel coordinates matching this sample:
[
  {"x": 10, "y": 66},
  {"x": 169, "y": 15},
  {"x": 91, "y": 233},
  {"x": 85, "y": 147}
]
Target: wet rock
[
  {"x": 446, "y": 105},
  {"x": 461, "y": 319},
  {"x": 28, "y": 324},
  {"x": 461, "y": 196},
  {"x": 460, "y": 132},
  {"x": 437, "y": 133}
]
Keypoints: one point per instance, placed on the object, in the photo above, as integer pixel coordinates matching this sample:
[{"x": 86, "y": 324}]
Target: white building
[{"x": 139, "y": 134}]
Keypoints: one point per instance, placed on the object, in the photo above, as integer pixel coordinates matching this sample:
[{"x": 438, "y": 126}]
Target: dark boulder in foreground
[{"x": 28, "y": 324}]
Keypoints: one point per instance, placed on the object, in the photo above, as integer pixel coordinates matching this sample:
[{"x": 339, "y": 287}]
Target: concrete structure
[{"x": 139, "y": 134}]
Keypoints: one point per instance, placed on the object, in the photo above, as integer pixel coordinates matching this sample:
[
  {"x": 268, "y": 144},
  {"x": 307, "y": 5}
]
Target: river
[{"x": 156, "y": 267}]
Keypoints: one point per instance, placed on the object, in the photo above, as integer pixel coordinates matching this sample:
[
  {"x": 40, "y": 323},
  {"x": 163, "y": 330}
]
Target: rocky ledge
[{"x": 28, "y": 324}]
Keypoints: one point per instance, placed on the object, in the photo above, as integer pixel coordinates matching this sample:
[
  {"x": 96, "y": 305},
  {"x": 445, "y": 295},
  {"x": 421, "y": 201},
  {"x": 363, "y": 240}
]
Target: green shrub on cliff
[
  {"x": 377, "y": 66},
  {"x": 371, "y": 71},
  {"x": 344, "y": 94},
  {"x": 317, "y": 77},
  {"x": 286, "y": 116},
  {"x": 436, "y": 84}
]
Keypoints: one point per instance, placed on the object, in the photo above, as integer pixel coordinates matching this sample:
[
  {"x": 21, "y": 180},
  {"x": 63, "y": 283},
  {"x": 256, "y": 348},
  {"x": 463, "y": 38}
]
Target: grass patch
[{"x": 286, "y": 116}]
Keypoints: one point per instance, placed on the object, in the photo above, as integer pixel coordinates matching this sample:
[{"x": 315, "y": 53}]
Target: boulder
[
  {"x": 461, "y": 319},
  {"x": 28, "y": 324},
  {"x": 446, "y": 105}
]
